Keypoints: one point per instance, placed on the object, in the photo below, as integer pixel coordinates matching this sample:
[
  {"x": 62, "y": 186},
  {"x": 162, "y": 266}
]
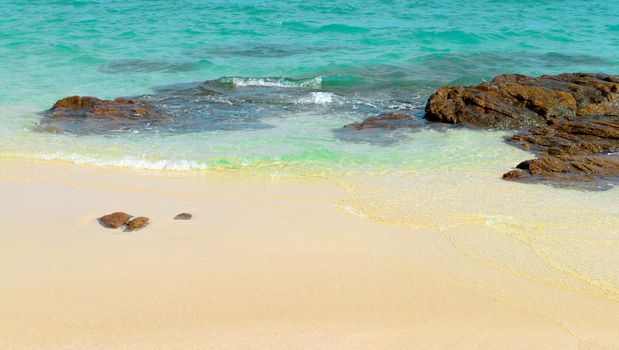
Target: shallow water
[
  {"x": 263, "y": 87},
  {"x": 259, "y": 68}
]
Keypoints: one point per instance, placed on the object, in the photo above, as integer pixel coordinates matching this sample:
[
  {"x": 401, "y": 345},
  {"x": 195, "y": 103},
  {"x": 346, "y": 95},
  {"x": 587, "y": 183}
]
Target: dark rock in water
[
  {"x": 582, "y": 136},
  {"x": 114, "y": 220},
  {"x": 572, "y": 150},
  {"x": 183, "y": 216},
  {"x": 137, "y": 223},
  {"x": 384, "y": 121},
  {"x": 566, "y": 169},
  {"x": 89, "y": 107},
  {"x": 572, "y": 121},
  {"x": 514, "y": 101},
  {"x": 85, "y": 115}
]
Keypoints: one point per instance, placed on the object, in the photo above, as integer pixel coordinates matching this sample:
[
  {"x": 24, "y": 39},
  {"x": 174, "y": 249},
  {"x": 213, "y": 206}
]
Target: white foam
[
  {"x": 319, "y": 97},
  {"x": 272, "y": 82},
  {"x": 126, "y": 162}
]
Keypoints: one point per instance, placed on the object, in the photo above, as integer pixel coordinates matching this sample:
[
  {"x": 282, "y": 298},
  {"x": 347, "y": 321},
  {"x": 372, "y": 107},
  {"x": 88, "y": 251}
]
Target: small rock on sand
[
  {"x": 137, "y": 223},
  {"x": 114, "y": 220},
  {"x": 183, "y": 216}
]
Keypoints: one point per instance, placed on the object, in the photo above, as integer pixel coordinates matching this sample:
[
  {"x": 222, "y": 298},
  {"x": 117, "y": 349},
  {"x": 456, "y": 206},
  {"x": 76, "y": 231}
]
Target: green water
[{"x": 361, "y": 57}]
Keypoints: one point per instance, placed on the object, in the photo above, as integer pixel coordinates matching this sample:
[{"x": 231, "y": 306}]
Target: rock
[
  {"x": 514, "y": 174},
  {"x": 571, "y": 150},
  {"x": 87, "y": 115},
  {"x": 513, "y": 101},
  {"x": 114, "y": 220},
  {"x": 92, "y": 107},
  {"x": 183, "y": 216},
  {"x": 569, "y": 137},
  {"x": 137, "y": 223},
  {"x": 570, "y": 120},
  {"x": 384, "y": 121},
  {"x": 570, "y": 168}
]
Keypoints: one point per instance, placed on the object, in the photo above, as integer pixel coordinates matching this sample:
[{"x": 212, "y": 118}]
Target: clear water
[
  {"x": 287, "y": 75},
  {"x": 297, "y": 71}
]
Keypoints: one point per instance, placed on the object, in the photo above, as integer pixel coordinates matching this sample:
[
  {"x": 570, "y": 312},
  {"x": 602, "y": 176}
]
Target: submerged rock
[
  {"x": 86, "y": 115},
  {"x": 89, "y": 107},
  {"x": 384, "y": 121},
  {"x": 137, "y": 223},
  {"x": 513, "y": 101},
  {"x": 183, "y": 216},
  {"x": 114, "y": 220},
  {"x": 572, "y": 121}
]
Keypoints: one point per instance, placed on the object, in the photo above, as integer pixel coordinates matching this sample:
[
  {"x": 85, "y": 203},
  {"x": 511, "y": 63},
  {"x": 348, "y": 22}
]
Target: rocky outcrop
[
  {"x": 570, "y": 150},
  {"x": 92, "y": 107},
  {"x": 570, "y": 120},
  {"x": 114, "y": 220},
  {"x": 566, "y": 168},
  {"x": 513, "y": 101},
  {"x": 567, "y": 137}
]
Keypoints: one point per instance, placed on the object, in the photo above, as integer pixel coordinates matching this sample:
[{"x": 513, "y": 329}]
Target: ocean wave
[
  {"x": 317, "y": 97},
  {"x": 281, "y": 82},
  {"x": 124, "y": 162}
]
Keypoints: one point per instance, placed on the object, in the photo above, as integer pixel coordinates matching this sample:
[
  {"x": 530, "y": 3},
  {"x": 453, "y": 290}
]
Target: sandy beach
[{"x": 265, "y": 263}]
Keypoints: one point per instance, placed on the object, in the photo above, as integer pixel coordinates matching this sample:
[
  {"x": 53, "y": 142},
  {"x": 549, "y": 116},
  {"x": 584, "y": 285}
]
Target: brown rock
[
  {"x": 584, "y": 136},
  {"x": 114, "y": 220},
  {"x": 514, "y": 174},
  {"x": 571, "y": 168},
  {"x": 384, "y": 121},
  {"x": 137, "y": 223},
  {"x": 572, "y": 121},
  {"x": 92, "y": 107},
  {"x": 183, "y": 216},
  {"x": 513, "y": 101}
]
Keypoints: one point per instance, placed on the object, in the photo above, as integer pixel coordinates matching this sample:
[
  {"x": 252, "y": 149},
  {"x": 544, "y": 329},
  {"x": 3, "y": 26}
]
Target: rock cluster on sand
[
  {"x": 570, "y": 120},
  {"x": 119, "y": 219}
]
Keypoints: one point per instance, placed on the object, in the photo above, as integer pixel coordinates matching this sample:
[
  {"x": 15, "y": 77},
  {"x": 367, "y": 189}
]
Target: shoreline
[{"x": 266, "y": 263}]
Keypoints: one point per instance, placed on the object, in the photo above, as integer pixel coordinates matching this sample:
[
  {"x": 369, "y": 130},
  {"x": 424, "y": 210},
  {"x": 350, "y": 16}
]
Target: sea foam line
[{"x": 271, "y": 82}]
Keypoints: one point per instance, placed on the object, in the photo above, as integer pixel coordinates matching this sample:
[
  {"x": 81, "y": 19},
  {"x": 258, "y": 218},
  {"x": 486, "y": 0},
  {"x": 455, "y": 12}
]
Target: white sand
[{"x": 265, "y": 263}]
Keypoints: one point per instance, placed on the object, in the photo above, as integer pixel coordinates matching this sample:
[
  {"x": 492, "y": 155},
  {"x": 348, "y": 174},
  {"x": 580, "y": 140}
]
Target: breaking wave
[{"x": 282, "y": 82}]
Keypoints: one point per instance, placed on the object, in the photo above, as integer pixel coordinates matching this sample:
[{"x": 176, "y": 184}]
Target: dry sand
[{"x": 265, "y": 263}]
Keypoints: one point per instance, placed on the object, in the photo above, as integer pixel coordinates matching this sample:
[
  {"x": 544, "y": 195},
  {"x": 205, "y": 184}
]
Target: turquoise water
[
  {"x": 294, "y": 71},
  {"x": 265, "y": 86}
]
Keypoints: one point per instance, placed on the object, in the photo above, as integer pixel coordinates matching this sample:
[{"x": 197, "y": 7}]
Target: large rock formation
[
  {"x": 514, "y": 101},
  {"x": 570, "y": 120}
]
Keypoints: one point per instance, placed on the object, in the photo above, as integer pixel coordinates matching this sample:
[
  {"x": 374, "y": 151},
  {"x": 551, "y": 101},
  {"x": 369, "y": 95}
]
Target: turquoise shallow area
[{"x": 363, "y": 57}]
